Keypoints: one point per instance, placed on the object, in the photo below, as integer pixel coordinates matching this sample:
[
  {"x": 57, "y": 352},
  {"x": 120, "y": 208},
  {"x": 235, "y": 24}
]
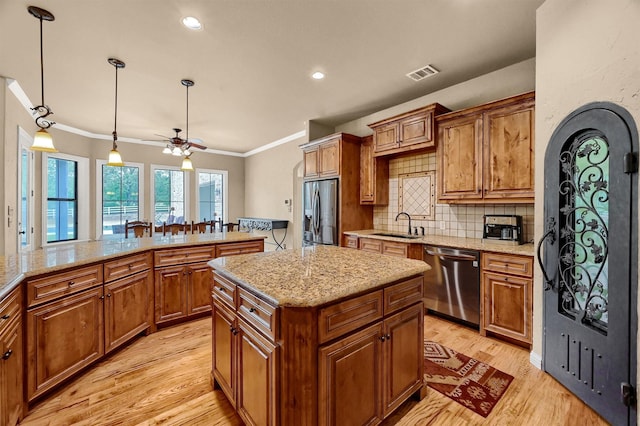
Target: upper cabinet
[
  {"x": 322, "y": 158},
  {"x": 486, "y": 153},
  {"x": 406, "y": 132},
  {"x": 374, "y": 175}
]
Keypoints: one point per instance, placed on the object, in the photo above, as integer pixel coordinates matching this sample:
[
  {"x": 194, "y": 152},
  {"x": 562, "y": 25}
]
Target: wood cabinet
[
  {"x": 11, "y": 364},
  {"x": 497, "y": 141},
  {"x": 367, "y": 348},
  {"x": 392, "y": 248},
  {"x": 63, "y": 337},
  {"x": 339, "y": 157},
  {"x": 507, "y": 296},
  {"x": 406, "y": 133},
  {"x": 350, "y": 241},
  {"x": 245, "y": 247},
  {"x": 374, "y": 175}
]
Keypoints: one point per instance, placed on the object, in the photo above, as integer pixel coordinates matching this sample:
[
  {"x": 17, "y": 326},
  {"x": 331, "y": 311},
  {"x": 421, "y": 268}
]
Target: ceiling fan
[{"x": 178, "y": 146}]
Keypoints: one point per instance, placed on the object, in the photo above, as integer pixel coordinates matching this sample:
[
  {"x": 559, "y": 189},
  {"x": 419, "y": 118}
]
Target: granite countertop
[
  {"x": 316, "y": 275},
  {"x": 14, "y": 268},
  {"x": 438, "y": 240}
]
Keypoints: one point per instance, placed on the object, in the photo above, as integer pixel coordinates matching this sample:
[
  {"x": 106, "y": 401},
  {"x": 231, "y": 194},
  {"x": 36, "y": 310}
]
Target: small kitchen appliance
[{"x": 503, "y": 228}]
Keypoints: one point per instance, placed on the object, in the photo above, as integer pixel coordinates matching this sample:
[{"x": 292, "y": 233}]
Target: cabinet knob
[
  {"x": 388, "y": 337},
  {"x": 71, "y": 283},
  {"x": 252, "y": 310},
  {"x": 382, "y": 338},
  {"x": 108, "y": 294},
  {"x": 130, "y": 266},
  {"x": 6, "y": 316},
  {"x": 222, "y": 289},
  {"x": 101, "y": 297},
  {"x": 7, "y": 354}
]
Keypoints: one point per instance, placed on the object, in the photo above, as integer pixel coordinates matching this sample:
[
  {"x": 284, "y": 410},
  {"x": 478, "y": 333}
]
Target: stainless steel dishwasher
[{"x": 452, "y": 285}]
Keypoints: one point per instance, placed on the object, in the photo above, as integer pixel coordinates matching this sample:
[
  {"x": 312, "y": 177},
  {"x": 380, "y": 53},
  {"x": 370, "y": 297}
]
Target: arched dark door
[{"x": 590, "y": 265}]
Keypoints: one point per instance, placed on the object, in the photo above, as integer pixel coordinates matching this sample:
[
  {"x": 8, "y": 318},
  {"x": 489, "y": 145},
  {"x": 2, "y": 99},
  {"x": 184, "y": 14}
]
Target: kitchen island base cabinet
[
  {"x": 11, "y": 380},
  {"x": 349, "y": 362}
]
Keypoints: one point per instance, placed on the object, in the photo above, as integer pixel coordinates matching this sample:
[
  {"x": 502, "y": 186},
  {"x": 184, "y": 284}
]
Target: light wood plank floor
[{"x": 163, "y": 379}]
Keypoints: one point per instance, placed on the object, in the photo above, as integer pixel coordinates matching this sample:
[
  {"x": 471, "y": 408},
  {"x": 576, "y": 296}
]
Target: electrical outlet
[{"x": 443, "y": 225}]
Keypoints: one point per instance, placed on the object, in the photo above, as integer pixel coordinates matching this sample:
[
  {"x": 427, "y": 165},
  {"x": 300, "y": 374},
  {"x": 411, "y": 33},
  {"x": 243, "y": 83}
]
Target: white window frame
[
  {"x": 99, "y": 164},
  {"x": 24, "y": 142},
  {"x": 225, "y": 192},
  {"x": 152, "y": 189},
  {"x": 83, "y": 197}
]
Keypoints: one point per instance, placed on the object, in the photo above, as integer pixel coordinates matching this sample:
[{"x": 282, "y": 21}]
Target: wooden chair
[
  {"x": 229, "y": 226},
  {"x": 139, "y": 228},
  {"x": 201, "y": 227},
  {"x": 173, "y": 228}
]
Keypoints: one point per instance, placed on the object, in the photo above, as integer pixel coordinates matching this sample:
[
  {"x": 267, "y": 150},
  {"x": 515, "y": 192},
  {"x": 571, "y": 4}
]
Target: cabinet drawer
[
  {"x": 61, "y": 284},
  {"x": 403, "y": 294},
  {"x": 224, "y": 291},
  {"x": 370, "y": 244},
  {"x": 341, "y": 318},
  {"x": 231, "y": 249},
  {"x": 393, "y": 248},
  {"x": 125, "y": 266},
  {"x": 258, "y": 313},
  {"x": 351, "y": 241},
  {"x": 183, "y": 255},
  {"x": 508, "y": 264},
  {"x": 10, "y": 308}
]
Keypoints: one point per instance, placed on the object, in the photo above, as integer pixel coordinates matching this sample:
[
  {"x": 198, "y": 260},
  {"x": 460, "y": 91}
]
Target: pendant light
[
  {"x": 114, "y": 156},
  {"x": 42, "y": 140},
  {"x": 187, "y": 164}
]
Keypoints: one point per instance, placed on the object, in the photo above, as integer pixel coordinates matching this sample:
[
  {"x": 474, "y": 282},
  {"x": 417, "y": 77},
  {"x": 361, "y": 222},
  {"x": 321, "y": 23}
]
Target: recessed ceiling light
[
  {"x": 191, "y": 23},
  {"x": 318, "y": 75}
]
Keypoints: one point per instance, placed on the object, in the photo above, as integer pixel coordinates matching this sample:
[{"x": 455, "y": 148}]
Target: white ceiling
[{"x": 252, "y": 61}]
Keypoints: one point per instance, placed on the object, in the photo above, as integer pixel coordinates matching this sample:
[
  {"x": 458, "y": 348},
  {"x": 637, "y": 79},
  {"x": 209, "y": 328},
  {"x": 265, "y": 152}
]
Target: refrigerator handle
[{"x": 316, "y": 211}]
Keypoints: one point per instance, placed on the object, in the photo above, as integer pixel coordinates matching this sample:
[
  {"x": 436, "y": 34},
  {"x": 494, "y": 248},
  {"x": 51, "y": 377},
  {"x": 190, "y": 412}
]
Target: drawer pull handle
[
  {"x": 130, "y": 266},
  {"x": 71, "y": 283},
  {"x": 222, "y": 289},
  {"x": 7, "y": 354},
  {"x": 252, "y": 310},
  {"x": 6, "y": 316}
]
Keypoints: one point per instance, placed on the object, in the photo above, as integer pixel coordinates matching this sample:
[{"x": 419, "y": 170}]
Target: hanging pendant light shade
[
  {"x": 42, "y": 140},
  {"x": 187, "y": 165},
  {"x": 115, "y": 159}
]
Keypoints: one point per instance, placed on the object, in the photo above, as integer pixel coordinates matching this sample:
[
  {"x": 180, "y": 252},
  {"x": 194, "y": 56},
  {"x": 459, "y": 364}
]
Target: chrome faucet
[{"x": 406, "y": 214}]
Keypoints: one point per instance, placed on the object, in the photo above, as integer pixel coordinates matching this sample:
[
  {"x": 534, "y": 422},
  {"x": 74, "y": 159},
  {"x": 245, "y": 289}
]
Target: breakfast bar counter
[{"x": 319, "y": 335}]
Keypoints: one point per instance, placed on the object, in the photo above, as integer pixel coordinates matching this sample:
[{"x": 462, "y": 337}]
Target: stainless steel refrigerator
[{"x": 320, "y": 221}]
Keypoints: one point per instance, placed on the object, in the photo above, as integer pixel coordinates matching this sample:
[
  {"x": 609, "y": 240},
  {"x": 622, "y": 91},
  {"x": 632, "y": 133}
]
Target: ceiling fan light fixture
[
  {"x": 166, "y": 150},
  {"x": 187, "y": 165},
  {"x": 192, "y": 23},
  {"x": 176, "y": 151},
  {"x": 42, "y": 140}
]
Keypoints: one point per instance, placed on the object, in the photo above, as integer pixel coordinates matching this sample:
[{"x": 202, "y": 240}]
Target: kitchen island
[{"x": 320, "y": 335}]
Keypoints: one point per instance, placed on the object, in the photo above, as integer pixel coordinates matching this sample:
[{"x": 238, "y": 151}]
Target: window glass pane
[
  {"x": 169, "y": 194},
  {"x": 210, "y": 195},
  {"x": 62, "y": 203},
  {"x": 24, "y": 199},
  {"x": 120, "y": 197}
]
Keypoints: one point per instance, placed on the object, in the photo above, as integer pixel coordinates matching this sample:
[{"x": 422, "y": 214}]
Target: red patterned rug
[{"x": 474, "y": 384}]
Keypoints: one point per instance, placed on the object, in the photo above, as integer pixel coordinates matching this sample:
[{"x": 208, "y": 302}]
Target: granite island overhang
[{"x": 300, "y": 335}]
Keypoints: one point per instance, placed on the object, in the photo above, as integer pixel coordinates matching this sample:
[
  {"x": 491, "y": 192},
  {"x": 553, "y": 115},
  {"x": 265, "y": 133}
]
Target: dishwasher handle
[{"x": 451, "y": 256}]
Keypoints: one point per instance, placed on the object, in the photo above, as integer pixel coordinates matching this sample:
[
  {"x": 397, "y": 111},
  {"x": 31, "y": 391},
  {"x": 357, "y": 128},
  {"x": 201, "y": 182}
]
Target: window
[
  {"x": 65, "y": 212},
  {"x": 26, "y": 191},
  {"x": 119, "y": 197},
  {"x": 211, "y": 195},
  {"x": 169, "y": 195}
]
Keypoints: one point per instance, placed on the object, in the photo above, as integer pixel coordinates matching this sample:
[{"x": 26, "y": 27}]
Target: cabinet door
[
  {"x": 171, "y": 293},
  {"x": 257, "y": 378},
  {"x": 417, "y": 129},
  {"x": 403, "y": 365},
  {"x": 460, "y": 159},
  {"x": 386, "y": 137},
  {"x": 374, "y": 175},
  {"x": 199, "y": 288},
  {"x": 311, "y": 162},
  {"x": 62, "y": 338},
  {"x": 330, "y": 158},
  {"x": 509, "y": 152},
  {"x": 507, "y": 306},
  {"x": 224, "y": 350},
  {"x": 127, "y": 310},
  {"x": 11, "y": 374},
  {"x": 349, "y": 379}
]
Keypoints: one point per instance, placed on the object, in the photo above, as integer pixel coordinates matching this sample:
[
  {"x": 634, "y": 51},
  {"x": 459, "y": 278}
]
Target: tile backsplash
[{"x": 450, "y": 219}]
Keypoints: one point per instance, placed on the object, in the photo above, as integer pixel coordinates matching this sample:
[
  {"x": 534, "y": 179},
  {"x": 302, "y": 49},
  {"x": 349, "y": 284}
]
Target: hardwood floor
[{"x": 163, "y": 379}]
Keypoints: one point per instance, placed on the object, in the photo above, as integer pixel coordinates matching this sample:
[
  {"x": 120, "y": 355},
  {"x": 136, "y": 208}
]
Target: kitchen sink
[{"x": 395, "y": 235}]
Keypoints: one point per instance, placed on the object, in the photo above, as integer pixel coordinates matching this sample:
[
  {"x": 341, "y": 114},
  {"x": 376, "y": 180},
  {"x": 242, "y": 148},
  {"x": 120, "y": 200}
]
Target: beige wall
[
  {"x": 94, "y": 149},
  {"x": 271, "y": 177},
  {"x": 587, "y": 50}
]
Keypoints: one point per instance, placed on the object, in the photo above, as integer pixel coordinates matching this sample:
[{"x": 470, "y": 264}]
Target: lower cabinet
[
  {"x": 62, "y": 338},
  {"x": 391, "y": 248},
  {"x": 182, "y": 291},
  {"x": 11, "y": 364},
  {"x": 507, "y": 296},
  {"x": 349, "y": 362}
]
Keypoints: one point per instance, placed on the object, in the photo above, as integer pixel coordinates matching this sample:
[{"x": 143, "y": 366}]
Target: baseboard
[{"x": 536, "y": 360}]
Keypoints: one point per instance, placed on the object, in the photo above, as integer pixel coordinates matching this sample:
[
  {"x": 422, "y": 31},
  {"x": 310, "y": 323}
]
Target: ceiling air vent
[{"x": 422, "y": 73}]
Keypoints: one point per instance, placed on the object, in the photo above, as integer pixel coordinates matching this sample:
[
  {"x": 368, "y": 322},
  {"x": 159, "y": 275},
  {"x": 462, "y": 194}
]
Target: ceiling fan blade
[
  {"x": 162, "y": 136},
  {"x": 197, "y": 145}
]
